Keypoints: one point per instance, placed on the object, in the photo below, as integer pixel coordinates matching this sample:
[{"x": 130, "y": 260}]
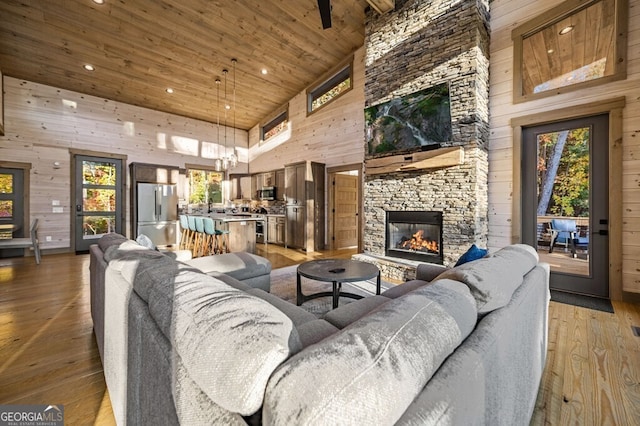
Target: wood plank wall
[
  {"x": 333, "y": 135},
  {"x": 506, "y": 15},
  {"x": 42, "y": 123}
]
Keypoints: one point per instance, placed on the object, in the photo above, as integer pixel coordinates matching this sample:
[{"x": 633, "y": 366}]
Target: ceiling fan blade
[{"x": 325, "y": 13}]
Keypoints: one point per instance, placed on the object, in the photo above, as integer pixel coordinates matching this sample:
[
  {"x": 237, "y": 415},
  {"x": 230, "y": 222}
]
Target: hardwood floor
[{"x": 48, "y": 354}]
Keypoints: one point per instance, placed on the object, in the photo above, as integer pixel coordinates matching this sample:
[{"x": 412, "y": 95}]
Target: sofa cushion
[
  {"x": 351, "y": 312},
  {"x": 197, "y": 313},
  {"x": 240, "y": 265},
  {"x": 404, "y": 288},
  {"x": 111, "y": 239},
  {"x": 369, "y": 372},
  {"x": 493, "y": 279},
  {"x": 314, "y": 331}
]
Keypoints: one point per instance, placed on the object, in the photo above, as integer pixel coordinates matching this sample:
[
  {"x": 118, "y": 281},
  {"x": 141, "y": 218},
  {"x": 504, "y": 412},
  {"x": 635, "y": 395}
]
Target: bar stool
[
  {"x": 223, "y": 240},
  {"x": 186, "y": 233},
  {"x": 210, "y": 238},
  {"x": 199, "y": 244},
  {"x": 191, "y": 220}
]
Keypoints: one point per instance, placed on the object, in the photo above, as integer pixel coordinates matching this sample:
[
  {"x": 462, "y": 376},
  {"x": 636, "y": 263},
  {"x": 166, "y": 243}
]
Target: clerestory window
[{"x": 331, "y": 89}]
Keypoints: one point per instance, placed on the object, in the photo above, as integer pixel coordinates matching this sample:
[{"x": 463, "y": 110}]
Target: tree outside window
[{"x": 205, "y": 187}]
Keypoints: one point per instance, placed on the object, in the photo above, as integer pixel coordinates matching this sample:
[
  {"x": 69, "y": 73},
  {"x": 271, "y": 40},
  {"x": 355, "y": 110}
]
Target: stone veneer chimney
[{"x": 416, "y": 46}]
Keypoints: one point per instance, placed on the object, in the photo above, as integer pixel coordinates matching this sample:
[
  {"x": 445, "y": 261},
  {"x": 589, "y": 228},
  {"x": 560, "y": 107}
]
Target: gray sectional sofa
[{"x": 456, "y": 346}]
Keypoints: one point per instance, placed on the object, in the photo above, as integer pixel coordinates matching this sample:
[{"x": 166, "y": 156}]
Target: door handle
[{"x": 79, "y": 208}]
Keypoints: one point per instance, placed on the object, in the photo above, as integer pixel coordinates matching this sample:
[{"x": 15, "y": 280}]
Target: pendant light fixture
[
  {"x": 218, "y": 161},
  {"x": 233, "y": 158},
  {"x": 225, "y": 158},
  {"x": 226, "y": 161}
]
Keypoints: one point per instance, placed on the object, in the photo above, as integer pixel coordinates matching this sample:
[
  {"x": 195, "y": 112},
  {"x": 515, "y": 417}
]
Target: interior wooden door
[{"x": 345, "y": 210}]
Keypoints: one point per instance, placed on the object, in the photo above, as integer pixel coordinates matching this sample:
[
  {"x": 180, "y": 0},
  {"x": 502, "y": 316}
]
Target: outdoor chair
[
  {"x": 32, "y": 242},
  {"x": 565, "y": 231}
]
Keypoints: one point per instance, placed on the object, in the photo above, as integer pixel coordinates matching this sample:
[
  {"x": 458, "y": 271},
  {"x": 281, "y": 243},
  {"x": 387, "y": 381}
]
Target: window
[
  {"x": 331, "y": 89},
  {"x": 275, "y": 126},
  {"x": 575, "y": 45},
  {"x": 205, "y": 186}
]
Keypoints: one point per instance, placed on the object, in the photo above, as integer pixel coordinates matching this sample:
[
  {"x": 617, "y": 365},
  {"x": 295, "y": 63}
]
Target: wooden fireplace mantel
[{"x": 436, "y": 159}]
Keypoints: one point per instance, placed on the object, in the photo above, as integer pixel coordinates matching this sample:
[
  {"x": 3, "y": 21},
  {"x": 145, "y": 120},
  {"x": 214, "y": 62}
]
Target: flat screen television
[{"x": 420, "y": 120}]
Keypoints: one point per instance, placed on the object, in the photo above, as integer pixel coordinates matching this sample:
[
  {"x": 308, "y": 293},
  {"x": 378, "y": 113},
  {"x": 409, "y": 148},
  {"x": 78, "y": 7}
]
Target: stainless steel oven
[{"x": 261, "y": 227}]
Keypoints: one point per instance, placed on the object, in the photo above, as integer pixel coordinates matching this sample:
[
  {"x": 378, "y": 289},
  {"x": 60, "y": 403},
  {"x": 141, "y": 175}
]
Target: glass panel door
[
  {"x": 11, "y": 208},
  {"x": 98, "y": 199},
  {"x": 565, "y": 201}
]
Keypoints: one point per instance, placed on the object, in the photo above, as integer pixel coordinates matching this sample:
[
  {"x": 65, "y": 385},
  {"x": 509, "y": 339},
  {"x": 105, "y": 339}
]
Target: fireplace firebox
[{"x": 415, "y": 235}]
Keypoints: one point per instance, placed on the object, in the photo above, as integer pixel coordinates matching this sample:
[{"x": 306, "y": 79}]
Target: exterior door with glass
[
  {"x": 98, "y": 199},
  {"x": 12, "y": 208},
  {"x": 565, "y": 203}
]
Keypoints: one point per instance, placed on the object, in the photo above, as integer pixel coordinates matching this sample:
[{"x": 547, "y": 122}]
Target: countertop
[{"x": 237, "y": 217}]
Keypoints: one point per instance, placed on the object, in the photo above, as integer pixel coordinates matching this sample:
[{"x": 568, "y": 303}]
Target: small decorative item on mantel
[{"x": 1, "y": 105}]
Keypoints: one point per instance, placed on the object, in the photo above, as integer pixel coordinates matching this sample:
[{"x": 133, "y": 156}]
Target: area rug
[
  {"x": 283, "y": 285},
  {"x": 595, "y": 303}
]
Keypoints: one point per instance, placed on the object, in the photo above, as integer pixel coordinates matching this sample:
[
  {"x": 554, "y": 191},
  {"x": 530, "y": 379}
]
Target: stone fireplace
[{"x": 419, "y": 45}]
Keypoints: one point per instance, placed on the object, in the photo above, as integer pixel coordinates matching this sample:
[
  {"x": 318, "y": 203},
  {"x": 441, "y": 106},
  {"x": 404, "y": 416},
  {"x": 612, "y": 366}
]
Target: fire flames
[{"x": 418, "y": 242}]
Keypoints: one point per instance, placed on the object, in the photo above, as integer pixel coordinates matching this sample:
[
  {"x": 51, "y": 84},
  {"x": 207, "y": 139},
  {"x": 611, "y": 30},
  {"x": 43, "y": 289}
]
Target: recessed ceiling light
[
  {"x": 227, "y": 106},
  {"x": 550, "y": 51},
  {"x": 98, "y": 1},
  {"x": 566, "y": 30},
  {"x": 264, "y": 71},
  {"x": 169, "y": 90},
  {"x": 88, "y": 67}
]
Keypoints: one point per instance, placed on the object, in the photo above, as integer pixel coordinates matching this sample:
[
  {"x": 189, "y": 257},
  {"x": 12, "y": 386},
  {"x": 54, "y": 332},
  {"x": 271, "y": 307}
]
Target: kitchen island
[{"x": 242, "y": 230}]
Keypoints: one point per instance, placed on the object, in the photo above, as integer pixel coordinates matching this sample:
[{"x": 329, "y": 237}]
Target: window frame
[
  {"x": 208, "y": 169},
  {"x": 281, "y": 116},
  {"x": 324, "y": 85},
  {"x": 552, "y": 16}
]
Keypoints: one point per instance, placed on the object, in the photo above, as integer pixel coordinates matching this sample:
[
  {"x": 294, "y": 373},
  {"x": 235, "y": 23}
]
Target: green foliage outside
[
  {"x": 570, "y": 195},
  {"x": 330, "y": 94},
  {"x": 6, "y": 187},
  {"x": 206, "y": 187},
  {"x": 99, "y": 195}
]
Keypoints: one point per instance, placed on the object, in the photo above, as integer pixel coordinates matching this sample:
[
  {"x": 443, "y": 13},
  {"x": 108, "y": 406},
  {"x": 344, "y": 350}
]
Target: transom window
[
  {"x": 331, "y": 89},
  {"x": 275, "y": 126},
  {"x": 575, "y": 45}
]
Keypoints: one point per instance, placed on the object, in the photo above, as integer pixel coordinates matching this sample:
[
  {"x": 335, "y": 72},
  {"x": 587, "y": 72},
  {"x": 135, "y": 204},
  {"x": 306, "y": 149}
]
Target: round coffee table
[{"x": 336, "y": 271}]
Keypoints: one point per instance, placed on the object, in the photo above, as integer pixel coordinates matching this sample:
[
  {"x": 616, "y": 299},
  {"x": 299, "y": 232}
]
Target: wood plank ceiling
[{"x": 139, "y": 48}]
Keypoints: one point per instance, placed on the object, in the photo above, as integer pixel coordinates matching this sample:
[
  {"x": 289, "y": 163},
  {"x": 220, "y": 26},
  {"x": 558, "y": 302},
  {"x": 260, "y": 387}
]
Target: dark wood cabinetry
[
  {"x": 275, "y": 229},
  {"x": 304, "y": 192},
  {"x": 273, "y": 178}
]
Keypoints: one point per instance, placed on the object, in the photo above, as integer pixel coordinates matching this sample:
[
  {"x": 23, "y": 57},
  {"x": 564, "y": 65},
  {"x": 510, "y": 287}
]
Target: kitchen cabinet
[
  {"x": 304, "y": 190},
  {"x": 273, "y": 178},
  {"x": 276, "y": 229},
  {"x": 240, "y": 187},
  {"x": 279, "y": 184}
]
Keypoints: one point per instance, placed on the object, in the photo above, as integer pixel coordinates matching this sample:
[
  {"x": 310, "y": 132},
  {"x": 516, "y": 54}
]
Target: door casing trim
[{"x": 614, "y": 108}]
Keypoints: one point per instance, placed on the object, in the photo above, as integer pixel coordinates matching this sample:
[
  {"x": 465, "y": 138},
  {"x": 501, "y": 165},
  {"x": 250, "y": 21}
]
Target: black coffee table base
[
  {"x": 336, "y": 294},
  {"x": 336, "y": 271}
]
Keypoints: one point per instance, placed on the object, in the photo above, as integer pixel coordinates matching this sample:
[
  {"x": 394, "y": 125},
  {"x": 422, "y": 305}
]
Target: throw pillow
[
  {"x": 474, "y": 253},
  {"x": 145, "y": 241}
]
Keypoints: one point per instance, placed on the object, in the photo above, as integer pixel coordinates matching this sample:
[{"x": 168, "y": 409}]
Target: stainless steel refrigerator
[{"x": 158, "y": 213}]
